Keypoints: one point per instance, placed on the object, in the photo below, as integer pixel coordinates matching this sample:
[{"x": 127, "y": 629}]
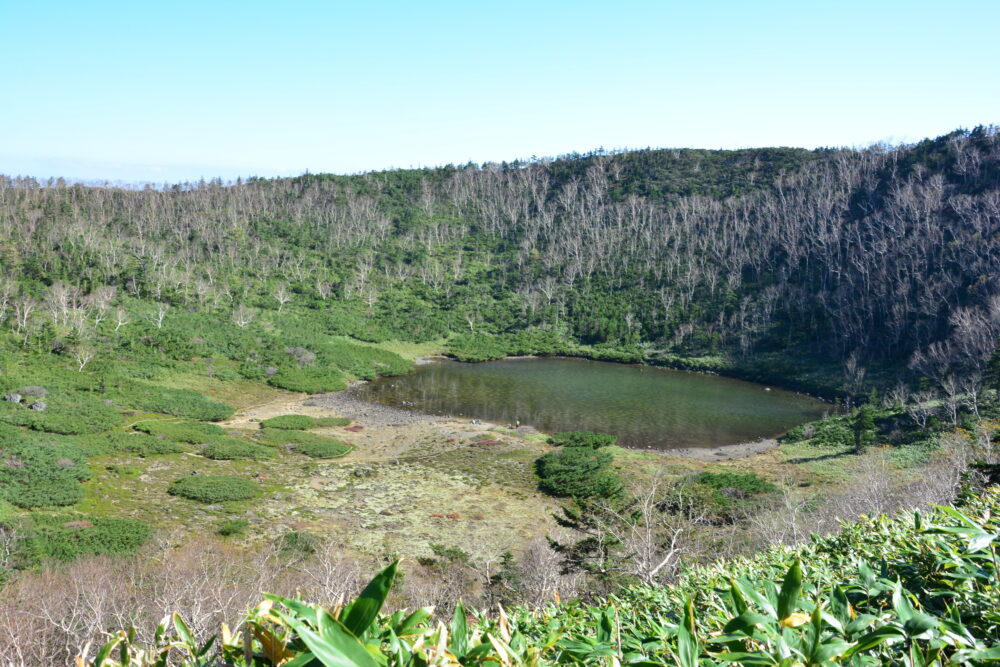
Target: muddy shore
[
  {"x": 726, "y": 453},
  {"x": 348, "y": 404}
]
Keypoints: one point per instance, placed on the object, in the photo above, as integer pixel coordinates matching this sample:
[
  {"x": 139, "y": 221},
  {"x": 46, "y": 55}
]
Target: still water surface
[{"x": 642, "y": 405}]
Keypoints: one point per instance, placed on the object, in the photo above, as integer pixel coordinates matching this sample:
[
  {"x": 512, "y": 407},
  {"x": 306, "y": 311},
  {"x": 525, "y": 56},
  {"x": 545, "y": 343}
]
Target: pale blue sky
[{"x": 142, "y": 91}]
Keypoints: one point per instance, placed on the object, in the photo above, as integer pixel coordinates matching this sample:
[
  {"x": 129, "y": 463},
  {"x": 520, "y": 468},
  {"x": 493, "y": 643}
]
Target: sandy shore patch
[{"x": 726, "y": 453}]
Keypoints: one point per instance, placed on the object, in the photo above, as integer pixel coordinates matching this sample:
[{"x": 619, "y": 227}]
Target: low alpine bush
[
  {"x": 303, "y": 422},
  {"x": 212, "y": 489},
  {"x": 229, "y": 449},
  {"x": 196, "y": 433}
]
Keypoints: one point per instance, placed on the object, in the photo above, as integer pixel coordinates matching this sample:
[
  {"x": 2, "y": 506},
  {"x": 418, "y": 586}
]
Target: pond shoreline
[
  {"x": 379, "y": 416},
  {"x": 724, "y": 453},
  {"x": 348, "y": 404}
]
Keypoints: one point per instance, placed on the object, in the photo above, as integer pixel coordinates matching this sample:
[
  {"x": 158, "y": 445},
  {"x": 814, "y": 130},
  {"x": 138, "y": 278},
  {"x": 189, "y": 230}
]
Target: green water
[{"x": 644, "y": 406}]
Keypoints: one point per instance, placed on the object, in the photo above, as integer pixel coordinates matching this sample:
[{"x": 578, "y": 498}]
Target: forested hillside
[
  {"x": 865, "y": 257},
  {"x": 158, "y": 346}
]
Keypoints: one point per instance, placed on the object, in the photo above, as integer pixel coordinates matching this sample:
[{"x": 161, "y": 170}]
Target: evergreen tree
[{"x": 863, "y": 426}]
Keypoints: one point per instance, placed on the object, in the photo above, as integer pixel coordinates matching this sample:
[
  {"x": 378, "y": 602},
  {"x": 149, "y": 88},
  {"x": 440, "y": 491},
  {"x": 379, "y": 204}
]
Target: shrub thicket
[
  {"x": 176, "y": 402},
  {"x": 141, "y": 444},
  {"x": 303, "y": 422},
  {"x": 477, "y": 347},
  {"x": 309, "y": 380},
  {"x": 329, "y": 449},
  {"x": 832, "y": 433},
  {"x": 725, "y": 496},
  {"x": 579, "y": 472},
  {"x": 68, "y": 537},
  {"x": 196, "y": 433},
  {"x": 214, "y": 488},
  {"x": 40, "y": 473},
  {"x": 228, "y": 449},
  {"x": 309, "y": 444},
  {"x": 65, "y": 413}
]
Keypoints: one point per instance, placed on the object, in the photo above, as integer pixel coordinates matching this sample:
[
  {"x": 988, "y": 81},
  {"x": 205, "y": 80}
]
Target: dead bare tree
[
  {"x": 281, "y": 295},
  {"x": 921, "y": 406},
  {"x": 121, "y": 318},
  {"x": 83, "y": 354},
  {"x": 243, "y": 316},
  {"x": 159, "y": 314}
]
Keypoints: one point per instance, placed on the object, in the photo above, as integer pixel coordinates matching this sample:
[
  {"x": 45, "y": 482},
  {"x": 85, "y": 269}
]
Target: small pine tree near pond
[{"x": 579, "y": 472}]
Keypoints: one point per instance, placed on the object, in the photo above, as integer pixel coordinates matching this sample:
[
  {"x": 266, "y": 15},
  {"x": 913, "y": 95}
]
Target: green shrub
[
  {"x": 725, "y": 496},
  {"x": 10, "y": 435},
  {"x": 196, "y": 433},
  {"x": 65, "y": 413},
  {"x": 578, "y": 472},
  {"x": 326, "y": 422},
  {"x": 176, "y": 402},
  {"x": 309, "y": 444},
  {"x": 68, "y": 537},
  {"x": 302, "y": 422},
  {"x": 583, "y": 439},
  {"x": 61, "y": 451},
  {"x": 477, "y": 347},
  {"x": 795, "y": 434},
  {"x": 298, "y": 543},
  {"x": 37, "y": 473},
  {"x": 362, "y": 361},
  {"x": 741, "y": 483},
  {"x": 323, "y": 450},
  {"x": 214, "y": 488},
  {"x": 274, "y": 437},
  {"x": 8, "y": 511},
  {"x": 39, "y": 486},
  {"x": 233, "y": 528},
  {"x": 309, "y": 380},
  {"x": 289, "y": 422},
  {"x": 832, "y": 433},
  {"x": 229, "y": 449},
  {"x": 141, "y": 444}
]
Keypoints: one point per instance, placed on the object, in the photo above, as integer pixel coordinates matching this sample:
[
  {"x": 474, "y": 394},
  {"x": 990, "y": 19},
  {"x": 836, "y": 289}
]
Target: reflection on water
[{"x": 643, "y": 406}]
